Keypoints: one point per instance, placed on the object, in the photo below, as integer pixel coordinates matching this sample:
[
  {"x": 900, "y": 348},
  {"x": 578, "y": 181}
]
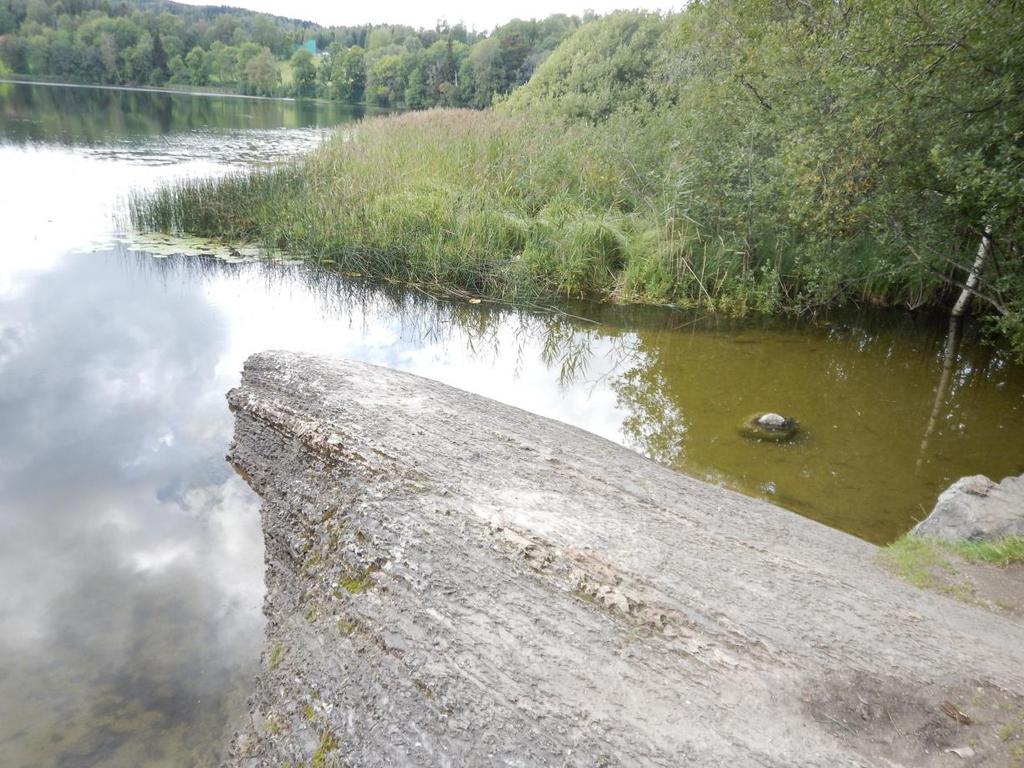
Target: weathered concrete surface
[
  {"x": 975, "y": 508},
  {"x": 452, "y": 582}
]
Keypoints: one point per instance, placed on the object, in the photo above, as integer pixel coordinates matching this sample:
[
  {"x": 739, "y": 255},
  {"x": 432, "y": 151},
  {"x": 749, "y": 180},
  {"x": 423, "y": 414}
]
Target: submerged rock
[
  {"x": 456, "y": 582},
  {"x": 975, "y": 508},
  {"x": 769, "y": 426}
]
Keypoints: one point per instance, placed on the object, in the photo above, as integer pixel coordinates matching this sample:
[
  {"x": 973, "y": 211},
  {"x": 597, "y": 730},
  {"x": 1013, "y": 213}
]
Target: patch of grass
[
  {"x": 277, "y": 656},
  {"x": 328, "y": 744},
  {"x": 1002, "y": 552},
  {"x": 585, "y": 595},
  {"x": 334, "y": 538},
  {"x": 916, "y": 560},
  {"x": 934, "y": 564},
  {"x": 1011, "y": 733},
  {"x": 356, "y": 583},
  {"x": 347, "y": 627}
]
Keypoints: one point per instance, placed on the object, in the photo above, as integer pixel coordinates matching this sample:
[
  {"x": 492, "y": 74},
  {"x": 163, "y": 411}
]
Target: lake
[{"x": 131, "y": 554}]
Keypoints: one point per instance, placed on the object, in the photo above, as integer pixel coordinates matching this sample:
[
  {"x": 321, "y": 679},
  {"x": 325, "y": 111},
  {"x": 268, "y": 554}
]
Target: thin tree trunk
[
  {"x": 953, "y": 337},
  {"x": 984, "y": 247}
]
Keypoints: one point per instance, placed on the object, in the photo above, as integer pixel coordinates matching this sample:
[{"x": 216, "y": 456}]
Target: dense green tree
[
  {"x": 41, "y": 12},
  {"x": 8, "y": 20},
  {"x": 108, "y": 41},
  {"x": 602, "y": 67},
  {"x": 838, "y": 152},
  {"x": 223, "y": 29},
  {"x": 416, "y": 95},
  {"x": 304, "y": 73},
  {"x": 268, "y": 35},
  {"x": 484, "y": 76},
  {"x": 385, "y": 81},
  {"x": 198, "y": 64},
  {"x": 354, "y": 72},
  {"x": 37, "y": 55},
  {"x": 110, "y": 61},
  {"x": 223, "y": 63},
  {"x": 347, "y": 74},
  {"x": 261, "y": 74},
  {"x": 179, "y": 72},
  {"x": 158, "y": 62},
  {"x": 13, "y": 53},
  {"x": 139, "y": 60},
  {"x": 379, "y": 38}
]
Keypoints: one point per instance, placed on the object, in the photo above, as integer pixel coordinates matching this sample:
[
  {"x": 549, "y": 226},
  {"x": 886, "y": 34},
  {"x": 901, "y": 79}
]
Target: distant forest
[{"x": 160, "y": 43}]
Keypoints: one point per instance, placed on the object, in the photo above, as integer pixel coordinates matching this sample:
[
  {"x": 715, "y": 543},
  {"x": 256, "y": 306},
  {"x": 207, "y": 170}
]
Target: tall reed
[{"x": 487, "y": 203}]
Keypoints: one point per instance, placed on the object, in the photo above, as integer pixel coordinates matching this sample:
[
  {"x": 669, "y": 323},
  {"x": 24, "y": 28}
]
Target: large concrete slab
[{"x": 455, "y": 582}]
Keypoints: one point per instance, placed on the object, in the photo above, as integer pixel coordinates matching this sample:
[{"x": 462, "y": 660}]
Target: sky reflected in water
[{"x": 131, "y": 555}]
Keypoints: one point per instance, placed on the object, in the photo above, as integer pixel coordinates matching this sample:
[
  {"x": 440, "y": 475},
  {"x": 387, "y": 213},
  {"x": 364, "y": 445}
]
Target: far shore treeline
[
  {"x": 738, "y": 155},
  {"x": 160, "y": 43}
]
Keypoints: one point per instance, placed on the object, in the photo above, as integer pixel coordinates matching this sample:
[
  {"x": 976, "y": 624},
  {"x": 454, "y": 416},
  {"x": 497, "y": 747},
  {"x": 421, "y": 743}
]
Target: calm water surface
[{"x": 131, "y": 555}]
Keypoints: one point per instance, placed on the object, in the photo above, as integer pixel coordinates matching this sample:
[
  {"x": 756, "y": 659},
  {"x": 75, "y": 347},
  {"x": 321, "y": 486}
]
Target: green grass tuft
[
  {"x": 277, "y": 656},
  {"x": 916, "y": 560},
  {"x": 1002, "y": 552},
  {"x": 933, "y": 564},
  {"x": 357, "y": 582},
  {"x": 328, "y": 744}
]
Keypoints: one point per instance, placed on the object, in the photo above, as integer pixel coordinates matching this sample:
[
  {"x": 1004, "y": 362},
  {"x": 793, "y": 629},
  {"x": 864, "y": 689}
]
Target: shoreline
[{"x": 16, "y": 80}]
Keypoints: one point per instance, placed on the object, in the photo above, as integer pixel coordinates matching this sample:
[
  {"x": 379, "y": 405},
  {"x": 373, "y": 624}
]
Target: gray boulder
[
  {"x": 772, "y": 420},
  {"x": 771, "y": 427},
  {"x": 975, "y": 508}
]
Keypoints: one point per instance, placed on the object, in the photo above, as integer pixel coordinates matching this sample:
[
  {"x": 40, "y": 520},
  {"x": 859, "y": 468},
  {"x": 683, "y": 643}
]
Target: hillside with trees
[
  {"x": 738, "y": 155},
  {"x": 160, "y": 43},
  {"x": 839, "y": 151}
]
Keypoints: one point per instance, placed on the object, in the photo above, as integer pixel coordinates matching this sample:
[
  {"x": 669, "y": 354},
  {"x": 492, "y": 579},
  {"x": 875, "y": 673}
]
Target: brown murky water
[
  {"x": 878, "y": 438},
  {"x": 131, "y": 556}
]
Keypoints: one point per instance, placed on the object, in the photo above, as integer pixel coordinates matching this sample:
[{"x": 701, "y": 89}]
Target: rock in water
[
  {"x": 975, "y": 508},
  {"x": 455, "y": 582},
  {"x": 772, "y": 421},
  {"x": 772, "y": 427}
]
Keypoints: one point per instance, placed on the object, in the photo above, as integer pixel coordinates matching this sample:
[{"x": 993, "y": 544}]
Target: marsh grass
[
  {"x": 1002, "y": 552},
  {"x": 935, "y": 564},
  {"x": 485, "y": 203}
]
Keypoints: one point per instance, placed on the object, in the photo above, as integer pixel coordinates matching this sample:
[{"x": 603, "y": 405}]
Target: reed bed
[{"x": 490, "y": 204}]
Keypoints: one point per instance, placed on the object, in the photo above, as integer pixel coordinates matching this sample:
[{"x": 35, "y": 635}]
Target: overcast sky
[{"x": 475, "y": 14}]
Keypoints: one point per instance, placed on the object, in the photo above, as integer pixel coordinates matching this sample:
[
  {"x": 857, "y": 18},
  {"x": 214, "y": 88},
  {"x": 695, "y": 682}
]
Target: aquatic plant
[{"x": 482, "y": 203}]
